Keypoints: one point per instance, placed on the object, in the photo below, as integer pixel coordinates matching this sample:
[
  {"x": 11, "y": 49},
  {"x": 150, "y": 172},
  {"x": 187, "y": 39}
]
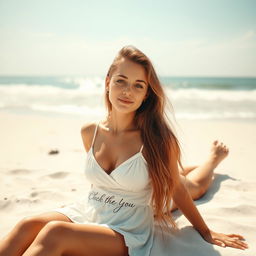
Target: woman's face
[{"x": 127, "y": 86}]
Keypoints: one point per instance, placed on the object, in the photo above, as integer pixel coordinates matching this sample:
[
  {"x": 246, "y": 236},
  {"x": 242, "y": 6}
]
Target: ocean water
[{"x": 192, "y": 98}]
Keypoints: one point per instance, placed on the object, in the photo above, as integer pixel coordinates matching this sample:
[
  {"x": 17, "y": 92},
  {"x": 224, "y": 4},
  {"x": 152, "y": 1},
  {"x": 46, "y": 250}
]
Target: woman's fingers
[
  {"x": 239, "y": 243},
  {"x": 231, "y": 242},
  {"x": 238, "y": 239},
  {"x": 223, "y": 240},
  {"x": 235, "y": 235},
  {"x": 219, "y": 243}
]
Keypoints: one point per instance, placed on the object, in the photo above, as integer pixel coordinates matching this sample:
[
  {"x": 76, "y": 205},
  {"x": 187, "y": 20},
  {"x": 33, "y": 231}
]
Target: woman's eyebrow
[{"x": 136, "y": 80}]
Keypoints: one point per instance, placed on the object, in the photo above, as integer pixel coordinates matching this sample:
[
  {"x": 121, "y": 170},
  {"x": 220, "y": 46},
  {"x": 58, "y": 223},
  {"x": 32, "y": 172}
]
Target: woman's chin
[{"x": 124, "y": 110}]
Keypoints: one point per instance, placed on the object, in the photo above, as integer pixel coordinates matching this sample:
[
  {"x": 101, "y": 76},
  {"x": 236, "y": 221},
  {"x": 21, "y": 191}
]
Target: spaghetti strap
[
  {"x": 141, "y": 147},
  {"x": 95, "y": 131}
]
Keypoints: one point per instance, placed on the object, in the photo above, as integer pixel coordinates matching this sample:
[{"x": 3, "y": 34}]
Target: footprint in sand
[
  {"x": 58, "y": 175},
  {"x": 41, "y": 194},
  {"x": 19, "y": 172},
  {"x": 4, "y": 204},
  {"x": 26, "y": 201}
]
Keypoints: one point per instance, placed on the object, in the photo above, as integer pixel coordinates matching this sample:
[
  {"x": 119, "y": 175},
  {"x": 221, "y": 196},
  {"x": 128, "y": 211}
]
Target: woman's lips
[{"x": 125, "y": 101}]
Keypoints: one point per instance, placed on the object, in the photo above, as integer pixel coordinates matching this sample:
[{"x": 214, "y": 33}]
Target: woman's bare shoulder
[{"x": 87, "y": 131}]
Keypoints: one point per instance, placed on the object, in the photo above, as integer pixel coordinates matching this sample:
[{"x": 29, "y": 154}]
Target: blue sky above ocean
[{"x": 81, "y": 37}]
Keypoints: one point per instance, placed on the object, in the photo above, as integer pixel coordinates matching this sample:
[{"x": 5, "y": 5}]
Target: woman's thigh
[
  {"x": 49, "y": 216},
  {"x": 37, "y": 222},
  {"x": 25, "y": 231},
  {"x": 85, "y": 239}
]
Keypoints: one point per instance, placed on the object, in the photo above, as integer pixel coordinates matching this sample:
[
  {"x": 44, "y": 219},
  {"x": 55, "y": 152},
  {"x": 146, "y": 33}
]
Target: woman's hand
[
  {"x": 232, "y": 240},
  {"x": 185, "y": 203}
]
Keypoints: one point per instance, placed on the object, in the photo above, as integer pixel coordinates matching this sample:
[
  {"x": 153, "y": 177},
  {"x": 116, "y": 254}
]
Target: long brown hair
[{"x": 161, "y": 146}]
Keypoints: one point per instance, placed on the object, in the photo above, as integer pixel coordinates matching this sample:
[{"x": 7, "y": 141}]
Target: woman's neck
[{"x": 118, "y": 122}]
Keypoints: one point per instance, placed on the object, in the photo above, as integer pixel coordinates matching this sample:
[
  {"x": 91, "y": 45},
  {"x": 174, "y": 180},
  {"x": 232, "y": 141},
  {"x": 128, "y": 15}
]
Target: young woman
[{"x": 133, "y": 161}]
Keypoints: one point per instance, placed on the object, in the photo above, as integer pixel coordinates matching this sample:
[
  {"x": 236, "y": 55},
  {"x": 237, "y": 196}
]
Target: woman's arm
[{"x": 185, "y": 203}]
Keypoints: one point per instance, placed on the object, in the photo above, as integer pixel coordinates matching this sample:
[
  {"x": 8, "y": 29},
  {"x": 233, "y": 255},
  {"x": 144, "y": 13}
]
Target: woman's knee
[
  {"x": 28, "y": 224},
  {"x": 25, "y": 230},
  {"x": 52, "y": 236},
  {"x": 37, "y": 222},
  {"x": 54, "y": 231},
  {"x": 195, "y": 189},
  {"x": 55, "y": 228}
]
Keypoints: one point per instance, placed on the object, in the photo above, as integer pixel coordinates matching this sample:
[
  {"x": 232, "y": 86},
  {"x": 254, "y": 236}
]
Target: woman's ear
[{"x": 107, "y": 80}]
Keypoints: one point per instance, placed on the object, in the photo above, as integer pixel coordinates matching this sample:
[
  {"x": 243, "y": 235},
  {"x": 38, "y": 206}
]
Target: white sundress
[{"x": 119, "y": 200}]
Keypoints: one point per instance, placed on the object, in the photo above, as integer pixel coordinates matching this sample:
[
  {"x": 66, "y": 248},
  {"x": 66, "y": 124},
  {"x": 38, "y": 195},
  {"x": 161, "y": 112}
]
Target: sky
[{"x": 82, "y": 37}]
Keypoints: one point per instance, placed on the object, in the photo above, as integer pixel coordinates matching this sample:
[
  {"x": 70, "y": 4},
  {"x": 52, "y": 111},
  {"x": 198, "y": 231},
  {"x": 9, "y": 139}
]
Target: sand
[{"x": 33, "y": 182}]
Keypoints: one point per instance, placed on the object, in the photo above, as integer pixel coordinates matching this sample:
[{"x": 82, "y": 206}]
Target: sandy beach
[{"x": 33, "y": 181}]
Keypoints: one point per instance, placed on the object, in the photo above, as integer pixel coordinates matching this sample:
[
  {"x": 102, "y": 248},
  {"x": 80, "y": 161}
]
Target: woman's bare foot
[{"x": 218, "y": 152}]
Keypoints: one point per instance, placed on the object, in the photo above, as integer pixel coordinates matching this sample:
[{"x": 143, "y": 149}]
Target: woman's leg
[
  {"x": 23, "y": 234},
  {"x": 187, "y": 169},
  {"x": 59, "y": 238},
  {"x": 198, "y": 179}
]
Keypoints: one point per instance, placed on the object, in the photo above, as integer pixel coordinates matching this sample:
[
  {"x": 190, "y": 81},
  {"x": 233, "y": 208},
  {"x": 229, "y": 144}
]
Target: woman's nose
[{"x": 127, "y": 88}]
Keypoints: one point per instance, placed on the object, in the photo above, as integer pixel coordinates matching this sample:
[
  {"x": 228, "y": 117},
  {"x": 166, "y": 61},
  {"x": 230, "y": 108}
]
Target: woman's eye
[
  {"x": 139, "y": 86},
  {"x": 119, "y": 81}
]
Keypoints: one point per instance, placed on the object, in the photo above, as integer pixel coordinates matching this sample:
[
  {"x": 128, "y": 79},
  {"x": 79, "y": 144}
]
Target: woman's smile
[{"x": 125, "y": 101}]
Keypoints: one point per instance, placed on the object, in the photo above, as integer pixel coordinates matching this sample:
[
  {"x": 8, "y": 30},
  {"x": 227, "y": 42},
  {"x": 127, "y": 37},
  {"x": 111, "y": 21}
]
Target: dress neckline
[
  {"x": 120, "y": 165},
  {"x": 115, "y": 169}
]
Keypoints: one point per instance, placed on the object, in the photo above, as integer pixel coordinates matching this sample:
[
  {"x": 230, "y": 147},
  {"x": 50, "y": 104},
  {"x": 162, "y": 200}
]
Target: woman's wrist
[{"x": 205, "y": 232}]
